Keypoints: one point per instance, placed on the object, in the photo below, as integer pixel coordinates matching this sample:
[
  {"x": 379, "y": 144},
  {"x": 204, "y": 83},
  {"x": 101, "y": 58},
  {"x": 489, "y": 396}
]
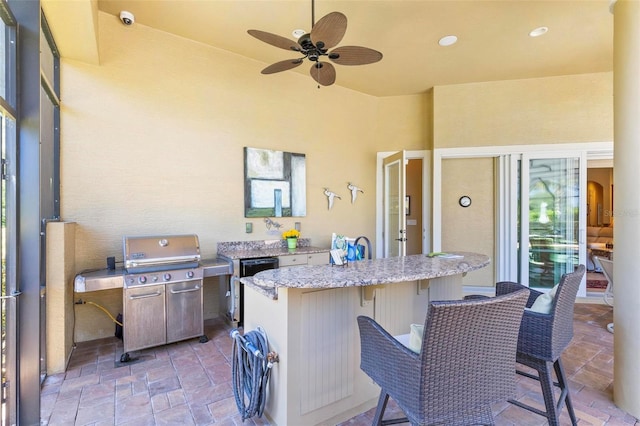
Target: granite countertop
[
  {"x": 266, "y": 248},
  {"x": 365, "y": 272}
]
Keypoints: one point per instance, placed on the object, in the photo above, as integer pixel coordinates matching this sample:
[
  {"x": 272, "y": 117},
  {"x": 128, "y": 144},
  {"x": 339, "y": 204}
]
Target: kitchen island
[{"x": 309, "y": 314}]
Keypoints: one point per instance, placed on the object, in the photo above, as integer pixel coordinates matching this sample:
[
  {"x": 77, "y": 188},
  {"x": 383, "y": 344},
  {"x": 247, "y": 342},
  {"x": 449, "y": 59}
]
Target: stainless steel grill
[
  {"x": 162, "y": 291},
  {"x": 162, "y": 278}
]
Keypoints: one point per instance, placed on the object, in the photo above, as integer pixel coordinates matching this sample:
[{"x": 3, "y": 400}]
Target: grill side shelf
[{"x": 104, "y": 279}]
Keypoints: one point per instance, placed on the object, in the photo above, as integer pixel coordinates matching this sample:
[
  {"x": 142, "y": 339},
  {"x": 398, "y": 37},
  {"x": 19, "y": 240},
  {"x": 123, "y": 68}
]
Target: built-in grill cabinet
[{"x": 162, "y": 291}]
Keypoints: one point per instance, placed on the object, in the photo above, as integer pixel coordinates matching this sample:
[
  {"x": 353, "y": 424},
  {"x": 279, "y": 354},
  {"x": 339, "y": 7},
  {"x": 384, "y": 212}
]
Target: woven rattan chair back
[{"x": 467, "y": 361}]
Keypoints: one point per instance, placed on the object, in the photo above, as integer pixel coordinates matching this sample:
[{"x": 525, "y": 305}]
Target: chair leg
[
  {"x": 553, "y": 406},
  {"x": 380, "y": 409},
  {"x": 382, "y": 405},
  {"x": 546, "y": 381},
  {"x": 565, "y": 395}
]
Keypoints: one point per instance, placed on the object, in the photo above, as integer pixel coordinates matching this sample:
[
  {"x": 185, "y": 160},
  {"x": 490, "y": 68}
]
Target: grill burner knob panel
[{"x": 166, "y": 277}]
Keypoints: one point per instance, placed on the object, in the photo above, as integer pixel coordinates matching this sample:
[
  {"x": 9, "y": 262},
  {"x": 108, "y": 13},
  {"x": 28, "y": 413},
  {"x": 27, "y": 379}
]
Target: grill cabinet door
[
  {"x": 184, "y": 310},
  {"x": 144, "y": 317}
]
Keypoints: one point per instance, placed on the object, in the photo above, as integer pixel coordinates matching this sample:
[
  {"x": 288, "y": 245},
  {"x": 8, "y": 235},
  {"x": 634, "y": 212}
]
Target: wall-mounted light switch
[
  {"x": 248, "y": 227},
  {"x": 297, "y": 226}
]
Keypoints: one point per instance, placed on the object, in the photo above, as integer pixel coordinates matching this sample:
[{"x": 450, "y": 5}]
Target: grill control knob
[
  {"x": 166, "y": 276},
  {"x": 189, "y": 274},
  {"x": 142, "y": 279}
]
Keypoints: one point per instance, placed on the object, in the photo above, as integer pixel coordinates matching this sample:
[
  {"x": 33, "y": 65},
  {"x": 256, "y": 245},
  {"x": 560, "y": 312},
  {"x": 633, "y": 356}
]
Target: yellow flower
[{"x": 291, "y": 233}]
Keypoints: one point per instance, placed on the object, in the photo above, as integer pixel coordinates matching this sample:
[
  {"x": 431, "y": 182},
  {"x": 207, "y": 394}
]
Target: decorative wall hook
[
  {"x": 354, "y": 192},
  {"x": 330, "y": 196},
  {"x": 269, "y": 223}
]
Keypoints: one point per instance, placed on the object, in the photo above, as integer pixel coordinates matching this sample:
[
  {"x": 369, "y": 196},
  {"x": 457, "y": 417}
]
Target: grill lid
[{"x": 160, "y": 252}]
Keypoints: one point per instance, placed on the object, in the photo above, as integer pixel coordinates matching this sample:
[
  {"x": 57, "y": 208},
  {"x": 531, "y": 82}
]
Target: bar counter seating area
[{"x": 312, "y": 315}]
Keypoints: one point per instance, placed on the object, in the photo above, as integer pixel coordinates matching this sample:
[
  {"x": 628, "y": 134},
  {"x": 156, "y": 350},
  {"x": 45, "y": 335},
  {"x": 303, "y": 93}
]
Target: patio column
[{"x": 626, "y": 208}]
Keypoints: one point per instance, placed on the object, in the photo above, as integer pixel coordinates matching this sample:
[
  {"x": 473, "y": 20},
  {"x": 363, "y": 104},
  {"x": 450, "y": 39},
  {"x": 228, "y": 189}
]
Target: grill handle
[
  {"x": 165, "y": 261},
  {"x": 189, "y": 290},
  {"x": 143, "y": 296}
]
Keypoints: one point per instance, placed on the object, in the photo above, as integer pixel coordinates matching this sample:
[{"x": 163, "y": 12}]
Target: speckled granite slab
[
  {"x": 365, "y": 272},
  {"x": 264, "y": 248}
]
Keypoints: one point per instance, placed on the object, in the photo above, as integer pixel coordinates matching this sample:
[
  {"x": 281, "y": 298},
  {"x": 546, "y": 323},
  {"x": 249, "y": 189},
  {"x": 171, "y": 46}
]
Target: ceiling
[{"x": 493, "y": 36}]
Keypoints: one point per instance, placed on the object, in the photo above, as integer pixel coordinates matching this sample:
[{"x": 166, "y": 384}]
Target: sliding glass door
[{"x": 551, "y": 224}]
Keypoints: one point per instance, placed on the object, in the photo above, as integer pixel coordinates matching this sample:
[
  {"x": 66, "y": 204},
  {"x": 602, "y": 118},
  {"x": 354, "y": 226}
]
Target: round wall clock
[{"x": 465, "y": 201}]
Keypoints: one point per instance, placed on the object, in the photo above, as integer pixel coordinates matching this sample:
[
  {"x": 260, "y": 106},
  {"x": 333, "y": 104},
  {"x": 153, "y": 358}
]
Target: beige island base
[{"x": 309, "y": 314}]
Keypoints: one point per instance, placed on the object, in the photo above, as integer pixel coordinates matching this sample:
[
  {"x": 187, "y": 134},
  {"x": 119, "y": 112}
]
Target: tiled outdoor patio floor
[{"x": 190, "y": 383}]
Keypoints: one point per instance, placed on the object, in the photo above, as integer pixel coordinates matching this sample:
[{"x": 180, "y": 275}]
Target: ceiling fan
[{"x": 315, "y": 45}]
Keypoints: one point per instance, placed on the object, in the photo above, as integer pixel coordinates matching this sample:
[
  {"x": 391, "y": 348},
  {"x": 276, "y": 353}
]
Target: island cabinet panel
[{"x": 327, "y": 345}]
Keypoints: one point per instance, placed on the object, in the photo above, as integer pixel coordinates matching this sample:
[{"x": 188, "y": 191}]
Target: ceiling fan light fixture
[
  {"x": 324, "y": 35},
  {"x": 448, "y": 40},
  {"x": 537, "y": 32}
]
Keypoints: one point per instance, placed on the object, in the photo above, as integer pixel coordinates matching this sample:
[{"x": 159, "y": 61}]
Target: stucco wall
[
  {"x": 470, "y": 228},
  {"x": 565, "y": 109}
]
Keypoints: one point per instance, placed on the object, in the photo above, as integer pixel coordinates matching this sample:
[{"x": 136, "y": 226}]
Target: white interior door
[
  {"x": 395, "y": 227},
  {"x": 552, "y": 223}
]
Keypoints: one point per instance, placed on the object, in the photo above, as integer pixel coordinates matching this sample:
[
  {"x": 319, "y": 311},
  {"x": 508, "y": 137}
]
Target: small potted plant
[{"x": 291, "y": 236}]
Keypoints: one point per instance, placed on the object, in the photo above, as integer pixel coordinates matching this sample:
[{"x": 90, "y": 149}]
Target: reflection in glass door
[{"x": 550, "y": 219}]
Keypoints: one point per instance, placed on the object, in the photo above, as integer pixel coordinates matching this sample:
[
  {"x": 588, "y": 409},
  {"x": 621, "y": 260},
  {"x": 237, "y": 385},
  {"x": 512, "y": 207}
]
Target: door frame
[{"x": 426, "y": 157}]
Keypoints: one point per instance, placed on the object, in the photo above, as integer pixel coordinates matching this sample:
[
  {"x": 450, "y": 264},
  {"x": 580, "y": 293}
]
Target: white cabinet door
[
  {"x": 318, "y": 258},
  {"x": 292, "y": 260}
]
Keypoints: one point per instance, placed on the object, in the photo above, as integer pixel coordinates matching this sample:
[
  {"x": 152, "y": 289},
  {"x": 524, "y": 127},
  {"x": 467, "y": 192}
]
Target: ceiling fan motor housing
[{"x": 305, "y": 42}]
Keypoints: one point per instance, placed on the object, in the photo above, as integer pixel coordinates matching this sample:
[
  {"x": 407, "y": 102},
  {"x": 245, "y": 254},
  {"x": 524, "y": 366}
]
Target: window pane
[
  {"x": 7, "y": 64},
  {"x": 47, "y": 60},
  {"x": 554, "y": 196}
]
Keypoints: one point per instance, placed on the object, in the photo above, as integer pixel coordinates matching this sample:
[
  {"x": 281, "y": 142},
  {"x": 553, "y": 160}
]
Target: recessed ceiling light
[
  {"x": 537, "y": 32},
  {"x": 298, "y": 33},
  {"x": 448, "y": 40}
]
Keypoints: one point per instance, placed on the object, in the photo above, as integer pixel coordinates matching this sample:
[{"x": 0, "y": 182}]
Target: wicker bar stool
[
  {"x": 466, "y": 362},
  {"x": 543, "y": 338}
]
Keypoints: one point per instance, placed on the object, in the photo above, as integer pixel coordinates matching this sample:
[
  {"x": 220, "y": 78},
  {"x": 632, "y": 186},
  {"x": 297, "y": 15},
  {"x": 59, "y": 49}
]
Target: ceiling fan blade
[
  {"x": 282, "y": 66},
  {"x": 324, "y": 73},
  {"x": 329, "y": 30},
  {"x": 354, "y": 55},
  {"x": 275, "y": 40}
]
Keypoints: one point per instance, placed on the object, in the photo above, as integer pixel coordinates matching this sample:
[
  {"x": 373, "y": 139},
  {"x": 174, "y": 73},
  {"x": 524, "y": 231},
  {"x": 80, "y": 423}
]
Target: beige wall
[
  {"x": 153, "y": 137},
  {"x": 566, "y": 109},
  {"x": 470, "y": 228}
]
